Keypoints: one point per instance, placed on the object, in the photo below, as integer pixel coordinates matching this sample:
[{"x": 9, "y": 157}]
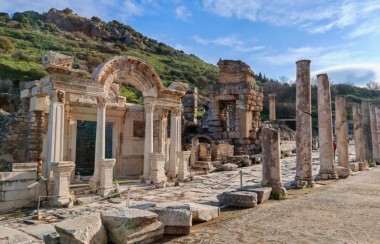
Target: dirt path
[{"x": 346, "y": 211}]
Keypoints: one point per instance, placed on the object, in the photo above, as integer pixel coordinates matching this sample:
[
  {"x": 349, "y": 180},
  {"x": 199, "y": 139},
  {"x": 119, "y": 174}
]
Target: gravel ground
[{"x": 345, "y": 211}]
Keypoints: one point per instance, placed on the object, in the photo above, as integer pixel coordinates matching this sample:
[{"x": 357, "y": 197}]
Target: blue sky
[{"x": 340, "y": 37}]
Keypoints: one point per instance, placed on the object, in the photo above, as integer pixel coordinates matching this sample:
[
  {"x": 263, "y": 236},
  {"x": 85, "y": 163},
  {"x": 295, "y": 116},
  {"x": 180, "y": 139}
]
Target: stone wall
[
  {"x": 190, "y": 104},
  {"x": 221, "y": 151}
]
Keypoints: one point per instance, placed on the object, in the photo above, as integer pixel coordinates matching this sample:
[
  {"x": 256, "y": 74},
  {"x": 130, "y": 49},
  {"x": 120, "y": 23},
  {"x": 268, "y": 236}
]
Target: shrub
[{"x": 6, "y": 45}]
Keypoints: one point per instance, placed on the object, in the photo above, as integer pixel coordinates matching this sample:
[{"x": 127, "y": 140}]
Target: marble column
[
  {"x": 100, "y": 141},
  {"x": 183, "y": 167},
  {"x": 272, "y": 107},
  {"x": 374, "y": 136},
  {"x": 366, "y": 125},
  {"x": 326, "y": 151},
  {"x": 148, "y": 142},
  {"x": 341, "y": 131},
  {"x": 194, "y": 151},
  {"x": 271, "y": 168},
  {"x": 304, "y": 174},
  {"x": 55, "y": 130},
  {"x": 157, "y": 175},
  {"x": 106, "y": 176},
  {"x": 162, "y": 133},
  {"x": 359, "y": 137},
  {"x": 62, "y": 171},
  {"x": 175, "y": 136}
]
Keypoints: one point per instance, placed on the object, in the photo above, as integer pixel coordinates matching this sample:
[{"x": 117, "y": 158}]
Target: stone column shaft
[
  {"x": 271, "y": 168},
  {"x": 366, "y": 125},
  {"x": 341, "y": 131},
  {"x": 358, "y": 134},
  {"x": 148, "y": 142},
  {"x": 375, "y": 139},
  {"x": 325, "y": 131},
  {"x": 303, "y": 120},
  {"x": 175, "y": 134},
  {"x": 272, "y": 107},
  {"x": 162, "y": 137},
  {"x": 100, "y": 143}
]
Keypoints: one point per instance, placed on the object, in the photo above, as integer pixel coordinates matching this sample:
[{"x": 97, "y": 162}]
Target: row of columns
[{"x": 366, "y": 134}]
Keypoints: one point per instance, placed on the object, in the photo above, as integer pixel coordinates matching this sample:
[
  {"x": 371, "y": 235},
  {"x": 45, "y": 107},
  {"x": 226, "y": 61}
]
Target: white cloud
[
  {"x": 182, "y": 13},
  {"x": 312, "y": 16},
  {"x": 132, "y": 8}
]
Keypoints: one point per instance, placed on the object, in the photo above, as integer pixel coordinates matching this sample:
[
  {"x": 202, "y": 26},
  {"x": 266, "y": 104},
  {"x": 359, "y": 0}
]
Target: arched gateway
[{"x": 138, "y": 131}]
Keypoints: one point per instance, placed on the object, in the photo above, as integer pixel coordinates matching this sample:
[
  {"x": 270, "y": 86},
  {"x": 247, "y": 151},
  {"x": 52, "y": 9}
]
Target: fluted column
[
  {"x": 175, "y": 133},
  {"x": 272, "y": 107},
  {"x": 326, "y": 152},
  {"x": 162, "y": 133},
  {"x": 100, "y": 141},
  {"x": 148, "y": 142},
  {"x": 375, "y": 139},
  {"x": 341, "y": 131},
  {"x": 303, "y": 120}
]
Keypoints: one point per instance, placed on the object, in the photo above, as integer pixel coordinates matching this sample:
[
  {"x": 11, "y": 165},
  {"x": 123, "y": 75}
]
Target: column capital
[
  {"x": 102, "y": 101},
  {"x": 176, "y": 111},
  {"x": 57, "y": 96},
  {"x": 149, "y": 107},
  {"x": 272, "y": 96},
  {"x": 164, "y": 113}
]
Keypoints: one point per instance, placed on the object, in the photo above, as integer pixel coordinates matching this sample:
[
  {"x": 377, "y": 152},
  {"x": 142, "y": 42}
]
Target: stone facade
[
  {"x": 190, "y": 104},
  {"x": 234, "y": 107}
]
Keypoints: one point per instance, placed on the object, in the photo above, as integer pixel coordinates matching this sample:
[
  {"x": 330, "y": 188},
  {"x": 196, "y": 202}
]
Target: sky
[{"x": 340, "y": 37}]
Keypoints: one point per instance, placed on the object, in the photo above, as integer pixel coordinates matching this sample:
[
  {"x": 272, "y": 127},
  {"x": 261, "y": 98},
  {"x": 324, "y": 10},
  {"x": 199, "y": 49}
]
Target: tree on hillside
[{"x": 373, "y": 85}]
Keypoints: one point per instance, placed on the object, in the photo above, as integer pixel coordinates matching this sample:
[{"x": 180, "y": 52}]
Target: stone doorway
[{"x": 85, "y": 146}]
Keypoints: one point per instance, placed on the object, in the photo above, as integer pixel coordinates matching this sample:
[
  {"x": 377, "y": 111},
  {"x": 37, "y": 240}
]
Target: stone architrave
[
  {"x": 375, "y": 138},
  {"x": 62, "y": 171},
  {"x": 148, "y": 142},
  {"x": 175, "y": 141},
  {"x": 303, "y": 132},
  {"x": 366, "y": 125},
  {"x": 55, "y": 130},
  {"x": 100, "y": 141},
  {"x": 358, "y": 134},
  {"x": 157, "y": 175},
  {"x": 106, "y": 176},
  {"x": 271, "y": 161},
  {"x": 272, "y": 107},
  {"x": 183, "y": 167},
  {"x": 325, "y": 131},
  {"x": 341, "y": 131}
]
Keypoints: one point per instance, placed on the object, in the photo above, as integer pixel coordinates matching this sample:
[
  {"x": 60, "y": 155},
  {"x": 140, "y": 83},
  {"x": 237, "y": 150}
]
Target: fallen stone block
[
  {"x": 11, "y": 236},
  {"x": 240, "y": 199},
  {"x": 199, "y": 212},
  {"x": 354, "y": 167},
  {"x": 39, "y": 230},
  {"x": 263, "y": 193},
  {"x": 342, "y": 172},
  {"x": 87, "y": 199},
  {"x": 229, "y": 167},
  {"x": 83, "y": 229},
  {"x": 177, "y": 221},
  {"x": 125, "y": 225},
  {"x": 51, "y": 238}
]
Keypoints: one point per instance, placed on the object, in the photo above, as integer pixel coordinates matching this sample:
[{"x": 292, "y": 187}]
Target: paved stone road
[{"x": 345, "y": 211}]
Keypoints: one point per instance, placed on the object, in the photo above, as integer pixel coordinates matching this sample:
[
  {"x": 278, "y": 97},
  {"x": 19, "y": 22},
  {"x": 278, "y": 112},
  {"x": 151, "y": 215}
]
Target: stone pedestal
[
  {"x": 366, "y": 125},
  {"x": 271, "y": 162},
  {"x": 183, "y": 167},
  {"x": 157, "y": 164},
  {"x": 272, "y": 107},
  {"x": 341, "y": 131},
  {"x": 62, "y": 171},
  {"x": 326, "y": 150},
  {"x": 106, "y": 176},
  {"x": 304, "y": 174},
  {"x": 359, "y": 137}
]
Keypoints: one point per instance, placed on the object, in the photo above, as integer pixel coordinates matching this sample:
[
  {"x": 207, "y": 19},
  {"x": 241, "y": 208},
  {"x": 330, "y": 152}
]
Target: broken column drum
[
  {"x": 326, "y": 152},
  {"x": 303, "y": 120},
  {"x": 341, "y": 131},
  {"x": 366, "y": 125},
  {"x": 271, "y": 168}
]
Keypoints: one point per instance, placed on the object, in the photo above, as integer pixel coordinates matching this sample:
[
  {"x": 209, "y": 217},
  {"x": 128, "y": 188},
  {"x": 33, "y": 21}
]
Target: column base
[
  {"x": 363, "y": 166},
  {"x": 61, "y": 202},
  {"x": 172, "y": 175},
  {"x": 298, "y": 184},
  {"x": 327, "y": 176},
  {"x": 278, "y": 192},
  {"x": 105, "y": 192},
  {"x": 94, "y": 184}
]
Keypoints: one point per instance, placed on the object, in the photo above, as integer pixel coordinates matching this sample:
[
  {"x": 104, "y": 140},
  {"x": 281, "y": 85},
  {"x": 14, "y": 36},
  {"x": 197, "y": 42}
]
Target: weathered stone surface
[
  {"x": 177, "y": 221},
  {"x": 51, "y": 238},
  {"x": 263, "y": 193},
  {"x": 229, "y": 167},
  {"x": 83, "y": 229},
  {"x": 342, "y": 172},
  {"x": 354, "y": 167},
  {"x": 12, "y": 236},
  {"x": 240, "y": 199},
  {"x": 366, "y": 125},
  {"x": 126, "y": 225},
  {"x": 87, "y": 199},
  {"x": 200, "y": 212},
  {"x": 363, "y": 166},
  {"x": 39, "y": 230},
  {"x": 358, "y": 133}
]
